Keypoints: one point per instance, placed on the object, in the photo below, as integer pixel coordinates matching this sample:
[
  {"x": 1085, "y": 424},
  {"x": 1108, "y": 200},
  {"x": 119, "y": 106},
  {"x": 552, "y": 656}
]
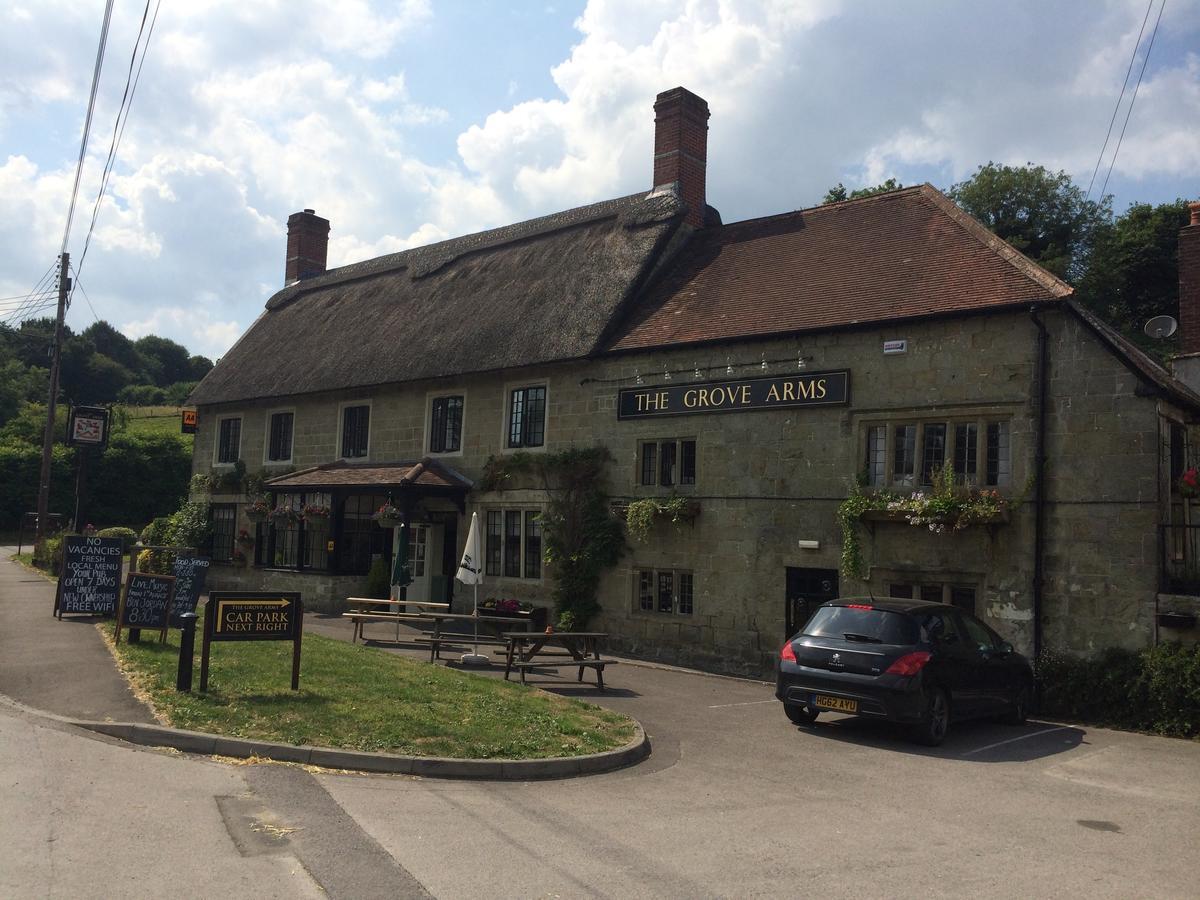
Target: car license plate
[{"x": 841, "y": 705}]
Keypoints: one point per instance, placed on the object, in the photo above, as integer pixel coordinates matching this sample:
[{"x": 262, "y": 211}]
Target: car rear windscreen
[{"x": 872, "y": 624}]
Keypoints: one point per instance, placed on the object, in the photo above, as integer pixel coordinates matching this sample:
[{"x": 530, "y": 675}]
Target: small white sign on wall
[{"x": 890, "y": 347}]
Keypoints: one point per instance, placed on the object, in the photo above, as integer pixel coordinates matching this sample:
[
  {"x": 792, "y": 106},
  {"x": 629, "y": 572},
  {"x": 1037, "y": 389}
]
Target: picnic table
[
  {"x": 579, "y": 649},
  {"x": 372, "y": 610}
]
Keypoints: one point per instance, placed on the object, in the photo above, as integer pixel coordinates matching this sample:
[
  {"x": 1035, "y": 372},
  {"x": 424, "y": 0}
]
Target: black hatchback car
[{"x": 909, "y": 661}]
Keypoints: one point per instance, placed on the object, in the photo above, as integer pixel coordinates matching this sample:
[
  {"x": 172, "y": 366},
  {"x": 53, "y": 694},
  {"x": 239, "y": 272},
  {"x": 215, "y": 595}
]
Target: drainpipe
[{"x": 1039, "y": 473}]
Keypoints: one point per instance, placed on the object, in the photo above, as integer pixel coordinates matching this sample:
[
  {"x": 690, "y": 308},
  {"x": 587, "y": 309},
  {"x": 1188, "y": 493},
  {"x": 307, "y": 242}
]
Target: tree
[
  {"x": 1041, "y": 213},
  {"x": 168, "y": 360},
  {"x": 838, "y": 192},
  {"x": 1133, "y": 273},
  {"x": 116, "y": 346},
  {"x": 198, "y": 367}
]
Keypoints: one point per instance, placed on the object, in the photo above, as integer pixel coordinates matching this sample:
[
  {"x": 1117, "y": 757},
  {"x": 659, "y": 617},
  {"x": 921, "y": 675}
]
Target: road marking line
[
  {"x": 747, "y": 703},
  {"x": 1014, "y": 740}
]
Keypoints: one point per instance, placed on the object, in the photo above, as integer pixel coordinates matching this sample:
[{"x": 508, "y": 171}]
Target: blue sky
[{"x": 409, "y": 122}]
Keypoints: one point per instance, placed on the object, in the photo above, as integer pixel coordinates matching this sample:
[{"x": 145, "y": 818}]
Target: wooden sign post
[
  {"x": 90, "y": 579},
  {"x": 190, "y": 575},
  {"x": 146, "y": 604},
  {"x": 253, "y": 616}
]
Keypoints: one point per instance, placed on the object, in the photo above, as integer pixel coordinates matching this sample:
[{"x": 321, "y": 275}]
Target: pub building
[{"x": 758, "y": 369}]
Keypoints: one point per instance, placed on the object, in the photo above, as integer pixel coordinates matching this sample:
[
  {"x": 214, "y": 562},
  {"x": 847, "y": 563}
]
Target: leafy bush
[
  {"x": 1156, "y": 689},
  {"x": 127, "y": 535},
  {"x": 142, "y": 395},
  {"x": 156, "y": 531},
  {"x": 378, "y": 578},
  {"x": 48, "y": 553}
]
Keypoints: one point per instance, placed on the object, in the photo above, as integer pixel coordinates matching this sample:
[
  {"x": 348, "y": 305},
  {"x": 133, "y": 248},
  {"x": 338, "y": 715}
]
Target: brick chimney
[
  {"x": 307, "y": 246},
  {"x": 1189, "y": 283},
  {"x": 681, "y": 148}
]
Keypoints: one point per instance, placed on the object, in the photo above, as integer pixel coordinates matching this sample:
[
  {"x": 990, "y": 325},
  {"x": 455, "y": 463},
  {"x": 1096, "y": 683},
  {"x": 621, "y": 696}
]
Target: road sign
[{"x": 253, "y": 616}]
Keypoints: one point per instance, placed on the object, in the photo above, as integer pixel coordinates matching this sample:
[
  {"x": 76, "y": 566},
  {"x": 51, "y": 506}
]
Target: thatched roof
[{"x": 535, "y": 292}]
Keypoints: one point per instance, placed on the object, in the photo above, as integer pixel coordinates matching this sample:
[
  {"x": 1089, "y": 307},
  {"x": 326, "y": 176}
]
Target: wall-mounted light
[
  {"x": 800, "y": 363},
  {"x": 637, "y": 375},
  {"x": 809, "y": 545},
  {"x": 728, "y": 366},
  {"x": 666, "y": 374},
  {"x": 696, "y": 373}
]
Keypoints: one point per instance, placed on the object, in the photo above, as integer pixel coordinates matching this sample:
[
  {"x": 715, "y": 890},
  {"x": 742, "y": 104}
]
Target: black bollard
[{"x": 187, "y": 644}]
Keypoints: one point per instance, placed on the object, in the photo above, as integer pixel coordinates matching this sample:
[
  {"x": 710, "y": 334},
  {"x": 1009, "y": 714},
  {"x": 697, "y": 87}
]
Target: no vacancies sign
[{"x": 809, "y": 389}]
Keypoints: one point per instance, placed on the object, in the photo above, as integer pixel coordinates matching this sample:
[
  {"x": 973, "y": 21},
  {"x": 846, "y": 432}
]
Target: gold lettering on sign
[
  {"x": 821, "y": 389},
  {"x": 745, "y": 395},
  {"x": 773, "y": 395},
  {"x": 689, "y": 398},
  {"x": 789, "y": 391}
]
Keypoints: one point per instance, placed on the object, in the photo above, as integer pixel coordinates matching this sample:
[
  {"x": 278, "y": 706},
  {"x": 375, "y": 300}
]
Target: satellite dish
[{"x": 1161, "y": 327}]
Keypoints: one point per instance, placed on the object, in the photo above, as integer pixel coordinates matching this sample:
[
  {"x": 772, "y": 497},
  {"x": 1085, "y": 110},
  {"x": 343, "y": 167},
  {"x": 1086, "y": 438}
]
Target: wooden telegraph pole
[{"x": 43, "y": 504}]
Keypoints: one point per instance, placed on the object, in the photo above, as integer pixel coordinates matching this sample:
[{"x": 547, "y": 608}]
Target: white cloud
[{"x": 209, "y": 336}]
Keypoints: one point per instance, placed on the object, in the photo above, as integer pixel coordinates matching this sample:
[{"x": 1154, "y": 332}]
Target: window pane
[
  {"x": 356, "y": 422},
  {"x": 1178, "y": 437},
  {"x": 665, "y": 592},
  {"x": 454, "y": 416},
  {"x": 666, "y": 467},
  {"x": 493, "y": 542},
  {"x": 516, "y": 418},
  {"x": 934, "y": 455},
  {"x": 230, "y": 443},
  {"x": 687, "y": 462},
  {"x": 512, "y": 544},
  {"x": 963, "y": 598},
  {"x": 966, "y": 452},
  {"x": 999, "y": 461},
  {"x": 901, "y": 591},
  {"x": 437, "y": 427},
  {"x": 649, "y": 463},
  {"x": 931, "y": 593},
  {"x": 876, "y": 454},
  {"x": 281, "y": 437},
  {"x": 533, "y": 544},
  {"x": 223, "y": 519},
  {"x": 645, "y": 589},
  {"x": 685, "y": 593},
  {"x": 535, "y": 417},
  {"x": 978, "y": 635},
  {"x": 904, "y": 455},
  {"x": 416, "y": 551}
]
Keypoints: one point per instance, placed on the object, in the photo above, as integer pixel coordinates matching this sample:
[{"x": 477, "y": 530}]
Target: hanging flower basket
[
  {"x": 284, "y": 515},
  {"x": 316, "y": 514},
  {"x": 258, "y": 510},
  {"x": 389, "y": 516}
]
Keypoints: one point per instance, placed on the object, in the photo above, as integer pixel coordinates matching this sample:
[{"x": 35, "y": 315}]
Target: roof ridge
[
  {"x": 1002, "y": 248},
  {"x": 428, "y": 258}
]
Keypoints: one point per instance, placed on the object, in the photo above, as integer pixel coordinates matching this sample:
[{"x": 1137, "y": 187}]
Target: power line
[
  {"x": 31, "y": 297},
  {"x": 1120, "y": 97},
  {"x": 1133, "y": 99},
  {"x": 131, "y": 83},
  {"x": 87, "y": 122},
  {"x": 79, "y": 284}
]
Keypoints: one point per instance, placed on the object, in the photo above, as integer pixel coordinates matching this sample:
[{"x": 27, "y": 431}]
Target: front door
[
  {"x": 806, "y": 590},
  {"x": 424, "y": 552}
]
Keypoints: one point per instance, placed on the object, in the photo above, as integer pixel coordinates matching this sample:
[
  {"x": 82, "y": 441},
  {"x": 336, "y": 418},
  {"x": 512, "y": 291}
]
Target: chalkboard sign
[
  {"x": 253, "y": 616},
  {"x": 147, "y": 603},
  {"x": 90, "y": 580},
  {"x": 190, "y": 575}
]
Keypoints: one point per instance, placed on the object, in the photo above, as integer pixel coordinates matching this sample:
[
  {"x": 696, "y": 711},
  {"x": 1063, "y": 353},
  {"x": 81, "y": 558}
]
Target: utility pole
[{"x": 43, "y": 505}]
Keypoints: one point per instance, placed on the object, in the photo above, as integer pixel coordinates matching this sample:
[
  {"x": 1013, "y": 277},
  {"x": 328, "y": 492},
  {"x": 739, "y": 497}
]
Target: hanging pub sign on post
[
  {"x": 90, "y": 579},
  {"x": 253, "y": 616},
  {"x": 88, "y": 427},
  {"x": 146, "y": 604}
]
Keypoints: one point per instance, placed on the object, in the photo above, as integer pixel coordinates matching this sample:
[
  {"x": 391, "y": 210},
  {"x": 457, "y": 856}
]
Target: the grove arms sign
[{"x": 809, "y": 389}]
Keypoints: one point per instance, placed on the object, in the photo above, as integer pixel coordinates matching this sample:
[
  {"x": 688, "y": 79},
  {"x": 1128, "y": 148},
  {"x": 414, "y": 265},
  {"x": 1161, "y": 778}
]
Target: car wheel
[
  {"x": 800, "y": 715},
  {"x": 1018, "y": 710},
  {"x": 932, "y": 731}
]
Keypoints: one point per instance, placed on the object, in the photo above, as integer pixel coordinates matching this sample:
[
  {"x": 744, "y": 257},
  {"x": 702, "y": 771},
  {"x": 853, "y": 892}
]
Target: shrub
[
  {"x": 48, "y": 553},
  {"x": 1156, "y": 689},
  {"x": 127, "y": 535},
  {"x": 378, "y": 578}
]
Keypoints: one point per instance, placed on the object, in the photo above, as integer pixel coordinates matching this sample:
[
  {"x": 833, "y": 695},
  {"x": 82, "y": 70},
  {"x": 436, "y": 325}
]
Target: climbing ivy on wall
[{"x": 581, "y": 537}]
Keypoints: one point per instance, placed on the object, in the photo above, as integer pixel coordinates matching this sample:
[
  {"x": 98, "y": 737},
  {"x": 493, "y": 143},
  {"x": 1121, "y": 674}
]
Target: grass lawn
[
  {"x": 359, "y": 698},
  {"x": 156, "y": 420}
]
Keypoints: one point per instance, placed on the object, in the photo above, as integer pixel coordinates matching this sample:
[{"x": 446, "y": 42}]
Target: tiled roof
[
  {"x": 904, "y": 254},
  {"x": 425, "y": 473}
]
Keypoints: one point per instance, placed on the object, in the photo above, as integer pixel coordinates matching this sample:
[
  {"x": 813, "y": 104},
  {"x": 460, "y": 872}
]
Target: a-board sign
[
  {"x": 190, "y": 574},
  {"x": 90, "y": 579},
  {"x": 253, "y": 616},
  {"x": 146, "y": 603}
]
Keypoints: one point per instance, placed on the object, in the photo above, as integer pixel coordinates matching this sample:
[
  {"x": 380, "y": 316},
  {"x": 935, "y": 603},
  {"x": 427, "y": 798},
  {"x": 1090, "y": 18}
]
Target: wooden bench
[{"x": 597, "y": 664}]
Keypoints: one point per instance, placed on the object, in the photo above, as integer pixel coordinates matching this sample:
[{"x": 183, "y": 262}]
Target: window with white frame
[
  {"x": 279, "y": 436},
  {"x": 513, "y": 543},
  {"x": 910, "y": 454},
  {"x": 666, "y": 591},
  {"x": 229, "y": 440},
  {"x": 356, "y": 430},
  {"x": 668, "y": 462},
  {"x": 445, "y": 424},
  {"x": 527, "y": 416}
]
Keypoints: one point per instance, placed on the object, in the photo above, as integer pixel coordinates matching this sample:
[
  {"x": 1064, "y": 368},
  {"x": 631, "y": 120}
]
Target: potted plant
[
  {"x": 1189, "y": 483},
  {"x": 244, "y": 539},
  {"x": 316, "y": 514},
  {"x": 388, "y": 516},
  {"x": 283, "y": 514},
  {"x": 258, "y": 509}
]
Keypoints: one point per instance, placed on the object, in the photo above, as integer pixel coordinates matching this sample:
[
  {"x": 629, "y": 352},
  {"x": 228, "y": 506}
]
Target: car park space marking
[
  {"x": 745, "y": 703},
  {"x": 1022, "y": 737}
]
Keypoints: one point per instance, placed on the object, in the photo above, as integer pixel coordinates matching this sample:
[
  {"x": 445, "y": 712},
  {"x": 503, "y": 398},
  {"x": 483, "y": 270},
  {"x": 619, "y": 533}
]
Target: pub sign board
[
  {"x": 253, "y": 616},
  {"x": 736, "y": 395},
  {"x": 88, "y": 427},
  {"x": 190, "y": 574},
  {"x": 146, "y": 603},
  {"x": 90, "y": 579}
]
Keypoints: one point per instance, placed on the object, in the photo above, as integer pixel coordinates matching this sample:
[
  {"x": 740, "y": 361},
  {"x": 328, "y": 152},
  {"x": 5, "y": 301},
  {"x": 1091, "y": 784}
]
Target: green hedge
[{"x": 1156, "y": 689}]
